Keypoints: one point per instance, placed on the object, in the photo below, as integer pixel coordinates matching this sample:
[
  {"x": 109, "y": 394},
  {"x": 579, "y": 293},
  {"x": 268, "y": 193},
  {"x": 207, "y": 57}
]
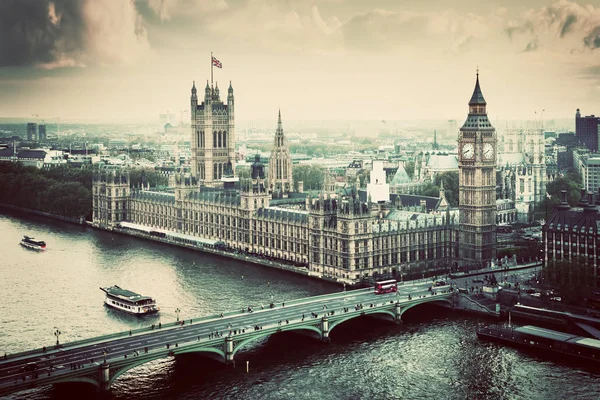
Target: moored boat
[
  {"x": 31, "y": 243},
  {"x": 545, "y": 340},
  {"x": 128, "y": 301}
]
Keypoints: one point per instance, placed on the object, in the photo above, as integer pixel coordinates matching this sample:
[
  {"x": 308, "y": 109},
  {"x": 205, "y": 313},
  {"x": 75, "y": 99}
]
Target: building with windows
[
  {"x": 31, "y": 131},
  {"x": 586, "y": 131},
  {"x": 588, "y": 166},
  {"x": 345, "y": 234},
  {"x": 522, "y": 174},
  {"x": 573, "y": 233}
]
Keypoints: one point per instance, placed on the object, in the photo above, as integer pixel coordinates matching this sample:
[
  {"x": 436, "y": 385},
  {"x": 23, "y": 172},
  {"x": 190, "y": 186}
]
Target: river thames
[{"x": 434, "y": 354}]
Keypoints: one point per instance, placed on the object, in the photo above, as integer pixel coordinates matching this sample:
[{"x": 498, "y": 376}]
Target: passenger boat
[
  {"x": 545, "y": 340},
  {"x": 128, "y": 301},
  {"x": 31, "y": 243}
]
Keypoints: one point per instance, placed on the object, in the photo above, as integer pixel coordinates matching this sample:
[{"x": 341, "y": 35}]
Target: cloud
[
  {"x": 166, "y": 10},
  {"x": 569, "y": 21},
  {"x": 67, "y": 33},
  {"x": 593, "y": 39},
  {"x": 563, "y": 26},
  {"x": 531, "y": 46}
]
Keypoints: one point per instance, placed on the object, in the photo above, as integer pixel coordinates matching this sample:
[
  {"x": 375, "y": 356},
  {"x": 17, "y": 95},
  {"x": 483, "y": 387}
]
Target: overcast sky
[{"x": 116, "y": 60}]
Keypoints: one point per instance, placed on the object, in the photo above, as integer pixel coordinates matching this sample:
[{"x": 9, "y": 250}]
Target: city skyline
[{"x": 316, "y": 60}]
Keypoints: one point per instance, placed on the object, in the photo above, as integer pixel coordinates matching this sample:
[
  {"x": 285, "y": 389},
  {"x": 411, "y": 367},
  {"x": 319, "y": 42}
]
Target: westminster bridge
[{"x": 101, "y": 360}]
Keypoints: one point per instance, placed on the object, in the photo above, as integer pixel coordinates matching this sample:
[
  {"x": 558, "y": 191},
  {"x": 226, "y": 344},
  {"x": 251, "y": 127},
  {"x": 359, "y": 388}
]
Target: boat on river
[
  {"x": 128, "y": 301},
  {"x": 31, "y": 243},
  {"x": 544, "y": 340}
]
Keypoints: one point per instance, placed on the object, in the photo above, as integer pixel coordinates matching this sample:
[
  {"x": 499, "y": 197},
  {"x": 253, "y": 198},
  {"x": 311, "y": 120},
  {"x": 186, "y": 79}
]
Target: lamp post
[
  {"x": 177, "y": 311},
  {"x": 57, "y": 333}
]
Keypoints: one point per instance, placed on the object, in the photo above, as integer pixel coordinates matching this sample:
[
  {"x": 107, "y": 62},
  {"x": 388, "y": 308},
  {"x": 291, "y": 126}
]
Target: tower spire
[{"x": 477, "y": 98}]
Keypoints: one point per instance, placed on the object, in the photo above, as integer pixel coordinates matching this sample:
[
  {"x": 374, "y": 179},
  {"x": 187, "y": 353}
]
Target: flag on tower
[{"x": 217, "y": 63}]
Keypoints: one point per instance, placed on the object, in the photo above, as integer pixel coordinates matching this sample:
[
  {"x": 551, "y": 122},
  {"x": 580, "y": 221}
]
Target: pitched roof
[{"x": 477, "y": 97}]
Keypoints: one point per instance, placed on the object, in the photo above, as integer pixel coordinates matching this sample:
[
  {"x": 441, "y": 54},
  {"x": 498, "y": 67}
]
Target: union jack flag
[{"x": 217, "y": 63}]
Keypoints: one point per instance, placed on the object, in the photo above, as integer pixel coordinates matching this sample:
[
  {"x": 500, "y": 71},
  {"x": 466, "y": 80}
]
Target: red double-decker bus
[{"x": 388, "y": 286}]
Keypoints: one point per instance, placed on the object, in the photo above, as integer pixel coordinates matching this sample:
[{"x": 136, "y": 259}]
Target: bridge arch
[
  {"x": 411, "y": 305},
  {"x": 356, "y": 315},
  {"x": 127, "y": 367},
  {"x": 78, "y": 379},
  {"x": 244, "y": 342}
]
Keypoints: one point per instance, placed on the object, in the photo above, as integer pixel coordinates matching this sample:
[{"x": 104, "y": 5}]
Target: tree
[
  {"x": 450, "y": 180},
  {"x": 571, "y": 182},
  {"x": 409, "y": 167},
  {"x": 574, "y": 280},
  {"x": 311, "y": 175}
]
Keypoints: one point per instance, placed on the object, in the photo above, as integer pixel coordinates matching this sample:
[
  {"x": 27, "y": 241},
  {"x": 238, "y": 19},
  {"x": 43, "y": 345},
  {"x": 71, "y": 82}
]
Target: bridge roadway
[{"x": 101, "y": 360}]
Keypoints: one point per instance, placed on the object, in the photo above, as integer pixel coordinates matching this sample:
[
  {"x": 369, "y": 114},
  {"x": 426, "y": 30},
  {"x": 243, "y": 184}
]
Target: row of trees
[
  {"x": 46, "y": 191},
  {"x": 575, "y": 280},
  {"x": 62, "y": 190}
]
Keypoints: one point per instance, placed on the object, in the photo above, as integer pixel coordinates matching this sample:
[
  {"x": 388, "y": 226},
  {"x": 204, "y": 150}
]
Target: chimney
[{"x": 563, "y": 196}]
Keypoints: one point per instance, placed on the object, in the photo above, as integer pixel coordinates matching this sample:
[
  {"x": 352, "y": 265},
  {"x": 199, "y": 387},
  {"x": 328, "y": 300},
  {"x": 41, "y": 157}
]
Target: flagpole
[{"x": 211, "y": 69}]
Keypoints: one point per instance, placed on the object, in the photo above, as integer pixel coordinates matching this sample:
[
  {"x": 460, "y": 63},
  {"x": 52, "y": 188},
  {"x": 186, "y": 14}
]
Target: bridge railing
[{"x": 149, "y": 329}]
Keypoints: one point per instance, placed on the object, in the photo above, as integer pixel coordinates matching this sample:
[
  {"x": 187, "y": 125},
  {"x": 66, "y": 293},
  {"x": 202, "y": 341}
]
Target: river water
[{"x": 434, "y": 354}]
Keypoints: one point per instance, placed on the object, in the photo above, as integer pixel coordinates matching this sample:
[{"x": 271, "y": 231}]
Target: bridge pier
[
  {"x": 104, "y": 377},
  {"x": 325, "y": 330},
  {"x": 229, "y": 351},
  {"x": 397, "y": 313}
]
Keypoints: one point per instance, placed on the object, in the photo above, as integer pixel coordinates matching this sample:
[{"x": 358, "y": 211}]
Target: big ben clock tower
[{"x": 477, "y": 185}]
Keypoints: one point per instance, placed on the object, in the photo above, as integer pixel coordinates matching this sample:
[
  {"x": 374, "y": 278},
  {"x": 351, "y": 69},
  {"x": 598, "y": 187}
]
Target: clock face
[
  {"x": 488, "y": 151},
  {"x": 468, "y": 150}
]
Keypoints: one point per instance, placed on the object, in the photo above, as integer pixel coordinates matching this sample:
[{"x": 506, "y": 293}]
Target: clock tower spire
[{"x": 477, "y": 185}]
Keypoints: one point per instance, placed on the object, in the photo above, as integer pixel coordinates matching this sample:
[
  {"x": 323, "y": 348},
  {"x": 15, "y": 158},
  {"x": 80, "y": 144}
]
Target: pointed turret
[
  {"x": 280, "y": 164},
  {"x": 477, "y": 98},
  {"x": 193, "y": 88},
  {"x": 207, "y": 91},
  {"x": 217, "y": 97}
]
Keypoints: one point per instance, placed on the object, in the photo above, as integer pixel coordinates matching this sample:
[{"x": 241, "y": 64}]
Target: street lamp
[
  {"x": 177, "y": 311},
  {"x": 57, "y": 333}
]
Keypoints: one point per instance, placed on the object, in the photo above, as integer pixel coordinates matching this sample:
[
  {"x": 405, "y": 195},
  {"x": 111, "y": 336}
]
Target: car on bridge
[{"x": 30, "y": 366}]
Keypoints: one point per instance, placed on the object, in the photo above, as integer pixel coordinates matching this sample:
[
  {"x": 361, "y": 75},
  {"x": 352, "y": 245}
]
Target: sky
[{"x": 122, "y": 60}]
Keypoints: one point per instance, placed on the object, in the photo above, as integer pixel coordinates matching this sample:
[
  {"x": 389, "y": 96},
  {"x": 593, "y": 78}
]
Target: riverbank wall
[{"x": 78, "y": 221}]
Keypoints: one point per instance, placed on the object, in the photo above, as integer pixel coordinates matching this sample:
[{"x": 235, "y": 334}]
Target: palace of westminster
[{"x": 346, "y": 234}]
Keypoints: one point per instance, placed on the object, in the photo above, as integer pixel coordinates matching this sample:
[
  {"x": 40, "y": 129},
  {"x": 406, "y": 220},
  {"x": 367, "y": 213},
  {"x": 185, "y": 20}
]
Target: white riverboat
[
  {"x": 31, "y": 243},
  {"x": 128, "y": 301}
]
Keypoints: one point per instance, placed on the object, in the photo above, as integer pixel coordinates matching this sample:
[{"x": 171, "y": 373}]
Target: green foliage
[
  {"x": 60, "y": 191},
  {"x": 571, "y": 182},
  {"x": 450, "y": 180},
  {"x": 148, "y": 176},
  {"x": 430, "y": 190},
  {"x": 573, "y": 280},
  {"x": 311, "y": 175},
  {"x": 409, "y": 167}
]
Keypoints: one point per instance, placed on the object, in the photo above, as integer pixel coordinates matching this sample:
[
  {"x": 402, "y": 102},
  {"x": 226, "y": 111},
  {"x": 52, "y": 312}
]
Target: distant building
[
  {"x": 31, "y": 131},
  {"x": 586, "y": 130},
  {"x": 41, "y": 132},
  {"x": 588, "y": 166},
  {"x": 32, "y": 158},
  {"x": 522, "y": 171}
]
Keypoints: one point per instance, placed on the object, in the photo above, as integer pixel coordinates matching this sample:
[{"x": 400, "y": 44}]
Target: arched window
[
  {"x": 215, "y": 170},
  {"x": 214, "y": 139},
  {"x": 224, "y": 138},
  {"x": 219, "y": 140}
]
